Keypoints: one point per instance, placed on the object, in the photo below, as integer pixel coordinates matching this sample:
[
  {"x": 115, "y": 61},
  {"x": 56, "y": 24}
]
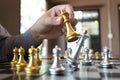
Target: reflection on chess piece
[
  {"x": 97, "y": 55},
  {"x": 56, "y": 67},
  {"x": 15, "y": 57},
  {"x": 71, "y": 34},
  {"x": 87, "y": 60},
  {"x": 21, "y": 62},
  {"x": 38, "y": 56},
  {"x": 106, "y": 63},
  {"x": 32, "y": 66}
]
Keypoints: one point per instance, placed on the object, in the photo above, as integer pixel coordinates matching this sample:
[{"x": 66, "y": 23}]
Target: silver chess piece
[
  {"x": 69, "y": 52},
  {"x": 87, "y": 60},
  {"x": 56, "y": 67},
  {"x": 106, "y": 63},
  {"x": 72, "y": 59}
]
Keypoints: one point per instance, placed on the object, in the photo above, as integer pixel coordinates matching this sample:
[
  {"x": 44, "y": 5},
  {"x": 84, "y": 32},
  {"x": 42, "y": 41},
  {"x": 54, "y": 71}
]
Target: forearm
[{"x": 8, "y": 44}]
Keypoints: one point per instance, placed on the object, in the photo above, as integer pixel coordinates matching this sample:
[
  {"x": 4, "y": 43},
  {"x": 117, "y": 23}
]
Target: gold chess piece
[
  {"x": 71, "y": 35},
  {"x": 32, "y": 66},
  {"x": 15, "y": 57},
  {"x": 21, "y": 62},
  {"x": 97, "y": 55},
  {"x": 38, "y": 57},
  {"x": 82, "y": 55}
]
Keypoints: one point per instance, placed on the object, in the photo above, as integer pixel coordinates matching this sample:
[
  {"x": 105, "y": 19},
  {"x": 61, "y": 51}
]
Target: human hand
[{"x": 50, "y": 25}]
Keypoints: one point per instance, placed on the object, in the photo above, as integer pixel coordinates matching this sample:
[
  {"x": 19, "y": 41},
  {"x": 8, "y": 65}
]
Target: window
[
  {"x": 89, "y": 20},
  {"x": 31, "y": 10}
]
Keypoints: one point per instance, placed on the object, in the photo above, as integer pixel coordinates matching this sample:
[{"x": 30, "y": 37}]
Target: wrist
[{"x": 36, "y": 35}]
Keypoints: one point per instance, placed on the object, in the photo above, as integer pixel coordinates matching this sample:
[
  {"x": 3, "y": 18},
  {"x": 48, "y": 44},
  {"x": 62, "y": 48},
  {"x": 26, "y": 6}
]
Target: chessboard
[{"x": 85, "y": 72}]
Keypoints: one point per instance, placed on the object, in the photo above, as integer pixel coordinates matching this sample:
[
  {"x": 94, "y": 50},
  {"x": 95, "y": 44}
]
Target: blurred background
[{"x": 101, "y": 18}]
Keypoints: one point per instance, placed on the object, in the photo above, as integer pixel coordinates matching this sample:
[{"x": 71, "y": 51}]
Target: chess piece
[
  {"x": 56, "y": 67},
  {"x": 32, "y": 66},
  {"x": 69, "y": 51},
  {"x": 87, "y": 60},
  {"x": 38, "y": 56},
  {"x": 21, "y": 62},
  {"x": 72, "y": 60},
  {"x": 97, "y": 55},
  {"x": 91, "y": 54},
  {"x": 71, "y": 34},
  {"x": 15, "y": 57},
  {"x": 106, "y": 63},
  {"x": 82, "y": 55},
  {"x": 44, "y": 50}
]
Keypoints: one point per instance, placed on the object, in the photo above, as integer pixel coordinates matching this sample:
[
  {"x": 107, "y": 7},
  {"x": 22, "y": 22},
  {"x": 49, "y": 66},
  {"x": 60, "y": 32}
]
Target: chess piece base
[
  {"x": 72, "y": 37},
  {"x": 103, "y": 65},
  {"x": 33, "y": 69},
  {"x": 20, "y": 67},
  {"x": 57, "y": 70},
  {"x": 86, "y": 63}
]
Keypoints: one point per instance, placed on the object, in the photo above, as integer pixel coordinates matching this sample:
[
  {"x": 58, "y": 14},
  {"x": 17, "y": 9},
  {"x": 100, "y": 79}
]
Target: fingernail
[{"x": 58, "y": 20}]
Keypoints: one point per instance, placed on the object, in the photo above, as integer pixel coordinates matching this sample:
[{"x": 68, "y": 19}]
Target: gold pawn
[
  {"x": 71, "y": 35},
  {"x": 37, "y": 56},
  {"x": 82, "y": 55},
  {"x": 15, "y": 57},
  {"x": 97, "y": 55},
  {"x": 21, "y": 62},
  {"x": 32, "y": 67}
]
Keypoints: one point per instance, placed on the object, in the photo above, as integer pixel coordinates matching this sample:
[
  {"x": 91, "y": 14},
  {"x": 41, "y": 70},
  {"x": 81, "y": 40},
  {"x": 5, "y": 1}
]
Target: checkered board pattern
[{"x": 85, "y": 72}]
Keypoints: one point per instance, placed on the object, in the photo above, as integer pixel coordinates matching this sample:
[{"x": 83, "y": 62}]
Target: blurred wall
[{"x": 10, "y": 15}]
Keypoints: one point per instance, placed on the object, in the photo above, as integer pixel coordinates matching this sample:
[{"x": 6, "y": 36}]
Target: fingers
[
  {"x": 58, "y": 9},
  {"x": 54, "y": 21},
  {"x": 68, "y": 8}
]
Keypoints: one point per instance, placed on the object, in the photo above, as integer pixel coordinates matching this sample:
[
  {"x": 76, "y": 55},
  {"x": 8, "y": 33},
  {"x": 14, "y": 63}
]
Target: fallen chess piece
[
  {"x": 106, "y": 63},
  {"x": 73, "y": 58},
  {"x": 56, "y": 67}
]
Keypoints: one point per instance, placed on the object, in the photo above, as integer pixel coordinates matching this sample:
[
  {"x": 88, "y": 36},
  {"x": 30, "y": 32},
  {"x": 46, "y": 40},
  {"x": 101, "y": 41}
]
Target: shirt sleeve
[{"x": 8, "y": 43}]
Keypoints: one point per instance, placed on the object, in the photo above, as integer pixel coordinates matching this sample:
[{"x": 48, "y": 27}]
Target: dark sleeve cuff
[{"x": 28, "y": 40}]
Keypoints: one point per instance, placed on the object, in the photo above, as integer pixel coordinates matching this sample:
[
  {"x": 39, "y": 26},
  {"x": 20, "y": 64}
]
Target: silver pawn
[
  {"x": 56, "y": 67},
  {"x": 106, "y": 63},
  {"x": 87, "y": 60}
]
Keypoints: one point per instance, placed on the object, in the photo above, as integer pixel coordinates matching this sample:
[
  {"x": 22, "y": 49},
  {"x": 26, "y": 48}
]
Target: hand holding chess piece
[
  {"x": 56, "y": 67},
  {"x": 106, "y": 63},
  {"x": 32, "y": 66}
]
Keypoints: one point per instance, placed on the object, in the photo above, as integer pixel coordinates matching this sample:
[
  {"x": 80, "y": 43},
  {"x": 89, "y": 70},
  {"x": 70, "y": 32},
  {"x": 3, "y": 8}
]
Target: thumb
[{"x": 54, "y": 21}]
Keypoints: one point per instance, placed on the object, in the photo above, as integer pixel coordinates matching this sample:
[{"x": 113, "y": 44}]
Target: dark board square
[{"x": 110, "y": 75}]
